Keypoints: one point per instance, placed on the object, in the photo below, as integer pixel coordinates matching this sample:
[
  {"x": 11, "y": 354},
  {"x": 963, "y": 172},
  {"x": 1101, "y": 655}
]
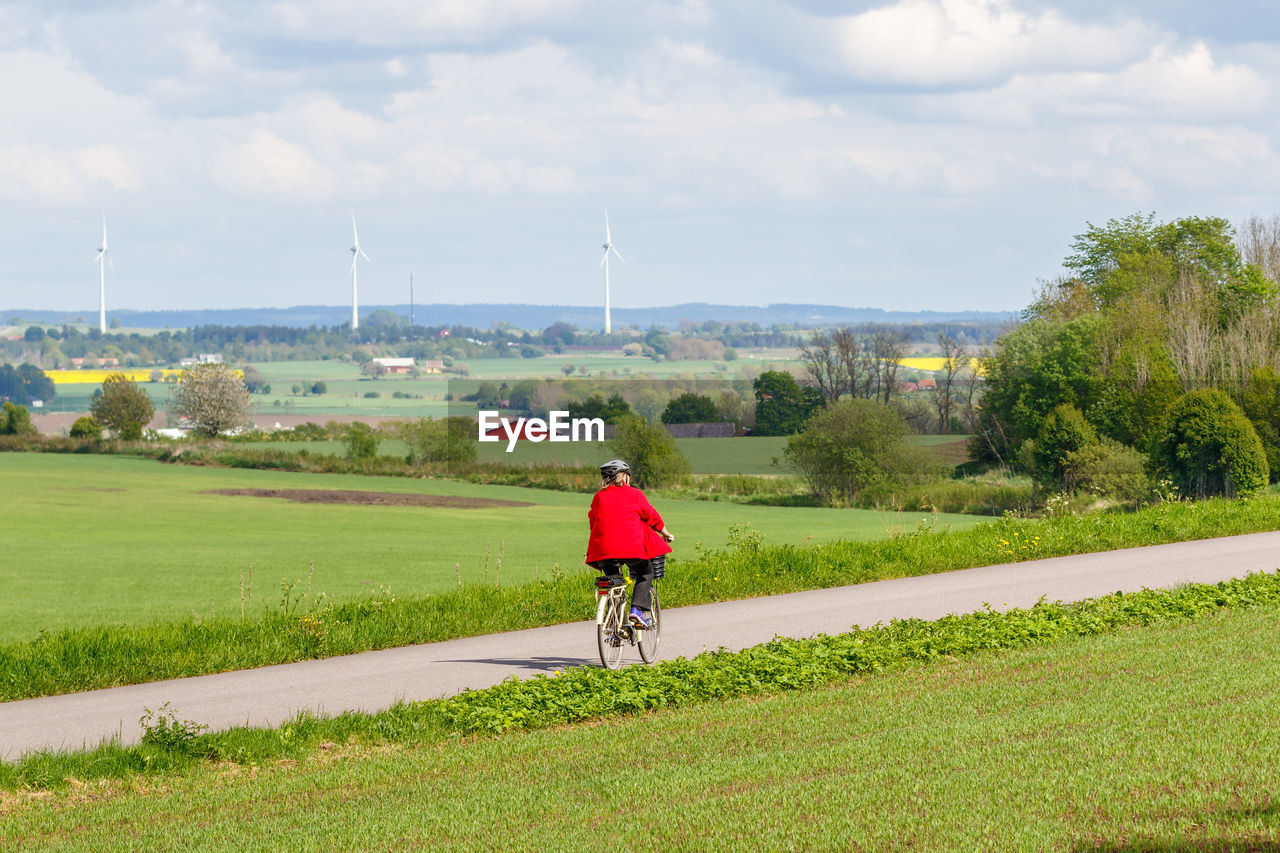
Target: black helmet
[{"x": 612, "y": 468}]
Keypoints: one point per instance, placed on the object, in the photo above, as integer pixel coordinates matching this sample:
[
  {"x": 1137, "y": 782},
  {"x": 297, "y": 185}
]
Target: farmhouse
[
  {"x": 202, "y": 358},
  {"x": 395, "y": 365}
]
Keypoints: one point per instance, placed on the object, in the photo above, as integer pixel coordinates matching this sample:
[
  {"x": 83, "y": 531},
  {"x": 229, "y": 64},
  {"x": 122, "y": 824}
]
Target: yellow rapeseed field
[
  {"x": 933, "y": 363},
  {"x": 96, "y": 377}
]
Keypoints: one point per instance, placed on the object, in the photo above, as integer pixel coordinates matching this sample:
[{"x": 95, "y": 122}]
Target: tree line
[{"x": 1156, "y": 357}]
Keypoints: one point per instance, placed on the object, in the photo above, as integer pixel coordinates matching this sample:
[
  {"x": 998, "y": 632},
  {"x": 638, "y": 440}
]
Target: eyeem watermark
[{"x": 557, "y": 427}]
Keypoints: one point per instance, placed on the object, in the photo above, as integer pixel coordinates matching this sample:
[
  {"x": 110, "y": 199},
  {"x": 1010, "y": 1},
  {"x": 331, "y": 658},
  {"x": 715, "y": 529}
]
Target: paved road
[{"x": 376, "y": 680}]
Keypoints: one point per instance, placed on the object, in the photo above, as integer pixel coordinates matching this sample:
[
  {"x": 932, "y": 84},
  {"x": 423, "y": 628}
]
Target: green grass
[
  {"x": 114, "y": 539},
  {"x": 749, "y": 455},
  {"x": 753, "y": 455},
  {"x": 1142, "y": 738},
  {"x": 346, "y": 386},
  {"x": 85, "y": 658}
]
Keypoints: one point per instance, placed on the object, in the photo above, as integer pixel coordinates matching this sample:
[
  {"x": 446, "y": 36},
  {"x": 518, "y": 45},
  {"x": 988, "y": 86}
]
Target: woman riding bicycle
[{"x": 626, "y": 530}]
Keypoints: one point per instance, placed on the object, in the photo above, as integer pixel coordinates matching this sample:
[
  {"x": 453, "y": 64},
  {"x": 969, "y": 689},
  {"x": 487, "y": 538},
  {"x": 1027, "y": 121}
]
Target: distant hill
[{"x": 521, "y": 316}]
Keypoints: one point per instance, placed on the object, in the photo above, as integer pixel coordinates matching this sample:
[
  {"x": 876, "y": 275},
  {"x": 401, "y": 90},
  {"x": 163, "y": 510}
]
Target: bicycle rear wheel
[
  {"x": 648, "y": 641},
  {"x": 609, "y": 633}
]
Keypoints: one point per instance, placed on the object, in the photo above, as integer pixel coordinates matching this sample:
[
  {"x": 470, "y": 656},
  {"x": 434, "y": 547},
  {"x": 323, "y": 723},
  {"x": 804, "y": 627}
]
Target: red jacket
[{"x": 624, "y": 526}]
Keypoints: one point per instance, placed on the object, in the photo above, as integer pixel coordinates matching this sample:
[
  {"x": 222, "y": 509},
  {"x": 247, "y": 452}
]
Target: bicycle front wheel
[
  {"x": 649, "y": 637},
  {"x": 609, "y": 633}
]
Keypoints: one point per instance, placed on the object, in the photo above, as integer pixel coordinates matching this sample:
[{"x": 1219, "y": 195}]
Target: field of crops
[
  {"x": 96, "y": 377},
  {"x": 110, "y": 539}
]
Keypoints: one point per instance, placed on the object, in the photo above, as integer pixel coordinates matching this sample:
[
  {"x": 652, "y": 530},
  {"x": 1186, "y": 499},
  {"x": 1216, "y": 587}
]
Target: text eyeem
[{"x": 557, "y": 427}]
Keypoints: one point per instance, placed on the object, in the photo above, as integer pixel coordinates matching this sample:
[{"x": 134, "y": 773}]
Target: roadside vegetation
[
  {"x": 301, "y": 625},
  {"x": 1061, "y": 727}
]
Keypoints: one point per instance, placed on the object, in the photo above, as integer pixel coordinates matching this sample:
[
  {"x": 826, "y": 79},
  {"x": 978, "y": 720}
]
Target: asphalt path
[{"x": 372, "y": 681}]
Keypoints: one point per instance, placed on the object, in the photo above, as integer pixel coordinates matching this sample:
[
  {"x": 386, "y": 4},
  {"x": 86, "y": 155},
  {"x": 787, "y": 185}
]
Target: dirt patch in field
[{"x": 343, "y": 496}]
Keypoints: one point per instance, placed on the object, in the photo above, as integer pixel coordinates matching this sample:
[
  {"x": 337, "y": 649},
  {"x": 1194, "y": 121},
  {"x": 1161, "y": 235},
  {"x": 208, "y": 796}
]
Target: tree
[
  {"x": 1261, "y": 404},
  {"x": 38, "y": 385},
  {"x": 24, "y": 383},
  {"x": 651, "y": 452},
  {"x": 853, "y": 446},
  {"x": 690, "y": 409},
  {"x": 373, "y": 369},
  {"x": 254, "y": 381},
  {"x": 610, "y": 411},
  {"x": 954, "y": 360},
  {"x": 488, "y": 396},
  {"x": 213, "y": 398},
  {"x": 1208, "y": 447},
  {"x": 15, "y": 420},
  {"x": 1038, "y": 365},
  {"x": 1064, "y": 432},
  {"x": 1136, "y": 253},
  {"x": 122, "y": 406},
  {"x": 826, "y": 365},
  {"x": 361, "y": 441},
  {"x": 888, "y": 348},
  {"x": 439, "y": 440},
  {"x": 782, "y": 406},
  {"x": 1259, "y": 242},
  {"x": 86, "y": 427}
]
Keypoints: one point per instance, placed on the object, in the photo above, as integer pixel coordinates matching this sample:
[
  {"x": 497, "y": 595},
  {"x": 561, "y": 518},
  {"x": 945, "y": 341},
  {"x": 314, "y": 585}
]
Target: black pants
[{"x": 641, "y": 572}]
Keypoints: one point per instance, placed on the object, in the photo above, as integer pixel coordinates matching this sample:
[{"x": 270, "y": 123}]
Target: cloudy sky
[{"x": 903, "y": 154}]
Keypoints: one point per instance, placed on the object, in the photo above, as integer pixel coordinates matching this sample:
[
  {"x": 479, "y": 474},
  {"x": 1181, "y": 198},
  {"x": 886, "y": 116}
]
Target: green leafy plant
[{"x": 164, "y": 729}]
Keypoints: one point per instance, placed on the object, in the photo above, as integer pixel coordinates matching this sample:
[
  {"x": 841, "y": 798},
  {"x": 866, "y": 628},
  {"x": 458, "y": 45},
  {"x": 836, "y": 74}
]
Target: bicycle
[{"x": 613, "y": 627}]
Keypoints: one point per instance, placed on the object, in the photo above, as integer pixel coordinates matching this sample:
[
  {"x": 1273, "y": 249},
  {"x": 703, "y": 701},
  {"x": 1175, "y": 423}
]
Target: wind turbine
[
  {"x": 356, "y": 254},
  {"x": 604, "y": 262},
  {"x": 103, "y": 259}
]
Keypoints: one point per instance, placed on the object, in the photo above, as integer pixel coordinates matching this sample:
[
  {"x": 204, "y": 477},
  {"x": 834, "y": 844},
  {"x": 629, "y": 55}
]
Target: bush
[
  {"x": 856, "y": 445},
  {"x": 651, "y": 452},
  {"x": 86, "y": 427},
  {"x": 361, "y": 441},
  {"x": 16, "y": 420},
  {"x": 447, "y": 440},
  {"x": 122, "y": 406},
  {"x": 1208, "y": 447},
  {"x": 1064, "y": 432},
  {"x": 970, "y": 495},
  {"x": 1108, "y": 469}
]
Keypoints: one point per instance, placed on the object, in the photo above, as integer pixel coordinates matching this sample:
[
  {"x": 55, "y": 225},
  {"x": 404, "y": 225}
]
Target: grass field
[
  {"x": 753, "y": 455},
  {"x": 346, "y": 388},
  {"x": 1154, "y": 738},
  {"x": 110, "y": 539},
  {"x": 738, "y": 455}
]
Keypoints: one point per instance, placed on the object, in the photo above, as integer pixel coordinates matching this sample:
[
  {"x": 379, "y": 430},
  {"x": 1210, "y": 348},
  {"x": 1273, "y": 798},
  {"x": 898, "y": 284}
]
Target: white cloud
[
  {"x": 1174, "y": 85},
  {"x": 267, "y": 164},
  {"x": 781, "y": 127},
  {"x": 963, "y": 43},
  {"x": 396, "y": 21}
]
